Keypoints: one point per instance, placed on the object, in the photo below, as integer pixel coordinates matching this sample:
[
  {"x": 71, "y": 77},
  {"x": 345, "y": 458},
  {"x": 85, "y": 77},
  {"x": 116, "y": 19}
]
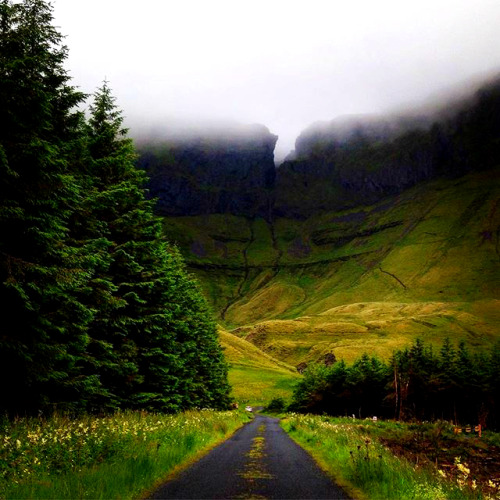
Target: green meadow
[{"x": 256, "y": 377}]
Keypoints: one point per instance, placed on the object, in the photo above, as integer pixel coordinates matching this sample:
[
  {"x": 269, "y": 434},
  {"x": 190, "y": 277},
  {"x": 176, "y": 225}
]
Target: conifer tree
[
  {"x": 98, "y": 309},
  {"x": 152, "y": 341},
  {"x": 44, "y": 334},
  {"x": 454, "y": 386},
  {"x": 112, "y": 194}
]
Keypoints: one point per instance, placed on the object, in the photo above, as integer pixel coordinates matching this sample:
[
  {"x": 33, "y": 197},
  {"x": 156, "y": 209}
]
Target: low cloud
[{"x": 282, "y": 64}]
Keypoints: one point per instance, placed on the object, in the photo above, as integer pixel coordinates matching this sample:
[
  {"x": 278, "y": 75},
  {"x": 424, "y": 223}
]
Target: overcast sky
[{"x": 282, "y": 63}]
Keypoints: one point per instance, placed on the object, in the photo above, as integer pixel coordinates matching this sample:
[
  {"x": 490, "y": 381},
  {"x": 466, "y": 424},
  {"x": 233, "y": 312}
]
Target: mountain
[
  {"x": 424, "y": 263},
  {"x": 336, "y": 165},
  {"x": 380, "y": 230}
]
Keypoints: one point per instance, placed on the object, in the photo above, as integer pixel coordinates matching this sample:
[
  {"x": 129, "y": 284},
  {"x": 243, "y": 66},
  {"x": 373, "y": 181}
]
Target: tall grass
[
  {"x": 366, "y": 467},
  {"x": 119, "y": 456}
]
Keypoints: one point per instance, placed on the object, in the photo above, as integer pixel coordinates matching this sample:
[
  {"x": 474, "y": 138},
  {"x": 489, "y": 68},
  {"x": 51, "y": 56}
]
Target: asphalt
[{"x": 259, "y": 461}]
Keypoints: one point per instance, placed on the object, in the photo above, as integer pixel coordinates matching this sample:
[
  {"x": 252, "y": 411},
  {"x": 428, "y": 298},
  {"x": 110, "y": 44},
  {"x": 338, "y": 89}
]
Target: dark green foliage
[
  {"x": 416, "y": 383},
  {"x": 43, "y": 334},
  {"x": 112, "y": 223},
  {"x": 276, "y": 405},
  {"x": 152, "y": 341},
  {"x": 99, "y": 312},
  {"x": 338, "y": 389}
]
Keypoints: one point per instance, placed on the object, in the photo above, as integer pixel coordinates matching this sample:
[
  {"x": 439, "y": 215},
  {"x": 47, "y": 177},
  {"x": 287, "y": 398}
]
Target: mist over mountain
[
  {"x": 230, "y": 168},
  {"x": 339, "y": 163}
]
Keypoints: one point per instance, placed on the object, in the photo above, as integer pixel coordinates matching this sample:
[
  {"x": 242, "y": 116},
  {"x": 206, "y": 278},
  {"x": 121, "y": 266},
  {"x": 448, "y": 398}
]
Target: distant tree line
[
  {"x": 98, "y": 312},
  {"x": 417, "y": 383}
]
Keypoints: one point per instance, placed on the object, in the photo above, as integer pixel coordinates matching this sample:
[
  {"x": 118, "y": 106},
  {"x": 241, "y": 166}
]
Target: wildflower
[{"x": 463, "y": 468}]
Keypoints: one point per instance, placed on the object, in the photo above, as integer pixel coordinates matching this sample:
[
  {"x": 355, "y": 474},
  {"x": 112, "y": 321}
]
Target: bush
[{"x": 276, "y": 405}]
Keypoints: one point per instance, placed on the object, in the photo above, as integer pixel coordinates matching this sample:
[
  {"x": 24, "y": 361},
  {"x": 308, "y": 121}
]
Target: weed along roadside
[
  {"x": 119, "y": 456},
  {"x": 395, "y": 460}
]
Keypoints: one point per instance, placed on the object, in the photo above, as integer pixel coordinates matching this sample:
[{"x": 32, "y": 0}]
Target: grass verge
[
  {"x": 120, "y": 456},
  {"x": 355, "y": 454}
]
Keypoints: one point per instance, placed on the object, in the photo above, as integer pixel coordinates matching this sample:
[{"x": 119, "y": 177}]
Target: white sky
[{"x": 282, "y": 63}]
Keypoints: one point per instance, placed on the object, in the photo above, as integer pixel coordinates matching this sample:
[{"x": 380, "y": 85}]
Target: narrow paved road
[{"x": 259, "y": 461}]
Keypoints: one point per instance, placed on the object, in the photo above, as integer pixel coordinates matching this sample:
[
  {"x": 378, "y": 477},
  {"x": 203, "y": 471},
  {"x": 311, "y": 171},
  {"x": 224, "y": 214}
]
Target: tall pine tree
[
  {"x": 152, "y": 340},
  {"x": 98, "y": 310},
  {"x": 43, "y": 336}
]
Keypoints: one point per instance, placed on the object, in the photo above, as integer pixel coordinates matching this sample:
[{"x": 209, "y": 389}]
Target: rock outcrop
[
  {"x": 228, "y": 171},
  {"x": 336, "y": 167}
]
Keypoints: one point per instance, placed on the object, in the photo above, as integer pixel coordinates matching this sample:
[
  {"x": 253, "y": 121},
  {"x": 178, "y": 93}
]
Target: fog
[{"x": 284, "y": 64}]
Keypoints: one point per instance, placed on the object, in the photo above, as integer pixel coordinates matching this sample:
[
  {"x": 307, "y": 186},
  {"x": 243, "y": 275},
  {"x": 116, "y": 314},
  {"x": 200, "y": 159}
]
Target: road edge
[
  {"x": 352, "y": 491},
  {"x": 178, "y": 469}
]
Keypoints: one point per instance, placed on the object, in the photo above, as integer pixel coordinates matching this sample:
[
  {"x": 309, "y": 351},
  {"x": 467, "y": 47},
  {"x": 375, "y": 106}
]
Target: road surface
[{"x": 259, "y": 461}]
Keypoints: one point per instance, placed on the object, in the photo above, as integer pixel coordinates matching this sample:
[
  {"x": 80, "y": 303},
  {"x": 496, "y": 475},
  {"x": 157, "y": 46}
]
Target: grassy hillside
[
  {"x": 374, "y": 327},
  {"x": 424, "y": 263},
  {"x": 255, "y": 376}
]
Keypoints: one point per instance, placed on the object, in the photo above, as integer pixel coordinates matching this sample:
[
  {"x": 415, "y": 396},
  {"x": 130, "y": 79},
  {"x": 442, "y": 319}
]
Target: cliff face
[
  {"x": 336, "y": 165},
  {"x": 229, "y": 171},
  {"x": 356, "y": 160}
]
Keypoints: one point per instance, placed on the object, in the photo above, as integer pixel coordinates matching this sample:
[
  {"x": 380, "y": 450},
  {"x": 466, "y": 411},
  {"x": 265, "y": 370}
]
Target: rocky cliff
[
  {"x": 341, "y": 163},
  {"x": 224, "y": 171},
  {"x": 336, "y": 165}
]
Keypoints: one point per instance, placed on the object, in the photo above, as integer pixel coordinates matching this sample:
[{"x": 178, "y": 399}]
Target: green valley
[
  {"x": 256, "y": 377},
  {"x": 424, "y": 263}
]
